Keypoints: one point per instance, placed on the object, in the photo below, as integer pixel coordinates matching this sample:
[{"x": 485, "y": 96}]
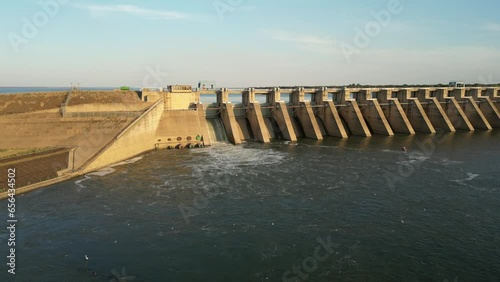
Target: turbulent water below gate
[
  {"x": 216, "y": 129},
  {"x": 262, "y": 212}
]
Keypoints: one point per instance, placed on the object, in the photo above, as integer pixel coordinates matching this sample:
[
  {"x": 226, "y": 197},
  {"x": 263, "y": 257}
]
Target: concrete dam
[
  {"x": 339, "y": 112},
  {"x": 83, "y": 131}
]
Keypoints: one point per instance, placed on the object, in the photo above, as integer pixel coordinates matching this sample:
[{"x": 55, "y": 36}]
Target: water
[
  {"x": 216, "y": 129},
  {"x": 431, "y": 214}
]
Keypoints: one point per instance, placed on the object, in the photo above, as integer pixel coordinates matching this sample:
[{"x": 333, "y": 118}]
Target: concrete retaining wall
[
  {"x": 137, "y": 138},
  {"x": 111, "y": 107},
  {"x": 181, "y": 125},
  {"x": 35, "y": 168}
]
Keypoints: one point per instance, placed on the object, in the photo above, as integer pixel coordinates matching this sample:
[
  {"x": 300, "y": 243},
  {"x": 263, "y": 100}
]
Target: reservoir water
[{"x": 338, "y": 210}]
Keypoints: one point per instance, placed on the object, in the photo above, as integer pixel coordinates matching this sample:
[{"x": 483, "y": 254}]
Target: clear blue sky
[{"x": 248, "y": 42}]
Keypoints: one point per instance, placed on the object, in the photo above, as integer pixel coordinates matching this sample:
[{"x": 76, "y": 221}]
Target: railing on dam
[{"x": 62, "y": 109}]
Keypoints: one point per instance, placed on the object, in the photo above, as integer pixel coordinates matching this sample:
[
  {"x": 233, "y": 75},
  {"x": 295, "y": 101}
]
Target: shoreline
[
  {"x": 65, "y": 177},
  {"x": 38, "y": 185}
]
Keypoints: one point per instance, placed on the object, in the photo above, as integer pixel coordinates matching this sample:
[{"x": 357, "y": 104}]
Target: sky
[{"x": 243, "y": 43}]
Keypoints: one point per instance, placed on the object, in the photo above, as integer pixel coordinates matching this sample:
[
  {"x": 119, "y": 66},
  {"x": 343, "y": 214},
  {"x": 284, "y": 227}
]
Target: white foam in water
[
  {"x": 130, "y": 161},
  {"x": 233, "y": 159},
  {"x": 103, "y": 172},
  {"x": 449, "y": 162},
  {"x": 78, "y": 182},
  {"x": 470, "y": 176},
  {"x": 414, "y": 158},
  {"x": 106, "y": 170}
]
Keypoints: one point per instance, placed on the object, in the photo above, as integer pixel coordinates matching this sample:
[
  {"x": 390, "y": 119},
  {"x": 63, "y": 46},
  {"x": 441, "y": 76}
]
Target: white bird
[{"x": 86, "y": 257}]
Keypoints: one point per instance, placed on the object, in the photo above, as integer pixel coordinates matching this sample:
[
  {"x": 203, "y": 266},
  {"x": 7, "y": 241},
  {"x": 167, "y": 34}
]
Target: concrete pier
[
  {"x": 452, "y": 108},
  {"x": 255, "y": 117},
  {"x": 394, "y": 112},
  {"x": 434, "y": 110},
  {"x": 351, "y": 114},
  {"x": 281, "y": 116},
  {"x": 305, "y": 115},
  {"x": 372, "y": 112},
  {"x": 487, "y": 106},
  {"x": 228, "y": 117},
  {"x": 329, "y": 115},
  {"x": 471, "y": 108},
  {"x": 493, "y": 93},
  {"x": 230, "y": 123},
  {"x": 414, "y": 110}
]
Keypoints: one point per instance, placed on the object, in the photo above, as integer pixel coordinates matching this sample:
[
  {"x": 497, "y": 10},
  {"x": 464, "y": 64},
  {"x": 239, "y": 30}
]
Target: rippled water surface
[{"x": 259, "y": 212}]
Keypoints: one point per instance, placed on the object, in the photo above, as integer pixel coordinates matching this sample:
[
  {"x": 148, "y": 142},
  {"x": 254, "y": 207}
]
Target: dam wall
[
  {"x": 233, "y": 128},
  {"x": 181, "y": 127},
  {"x": 434, "y": 110},
  {"x": 305, "y": 114},
  {"x": 393, "y": 111},
  {"x": 109, "y": 107},
  {"x": 487, "y": 99},
  {"x": 37, "y": 130},
  {"x": 80, "y": 128},
  {"x": 340, "y": 112},
  {"x": 352, "y": 116},
  {"x": 452, "y": 107},
  {"x": 373, "y": 113},
  {"x": 308, "y": 113},
  {"x": 104, "y": 127},
  {"x": 328, "y": 114},
  {"x": 468, "y": 100},
  {"x": 138, "y": 137},
  {"x": 413, "y": 110}
]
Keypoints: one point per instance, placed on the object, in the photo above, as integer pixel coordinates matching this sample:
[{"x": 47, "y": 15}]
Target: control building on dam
[{"x": 89, "y": 130}]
